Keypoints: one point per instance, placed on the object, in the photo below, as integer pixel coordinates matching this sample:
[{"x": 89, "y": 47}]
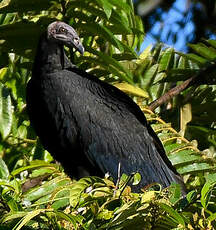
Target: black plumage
[{"x": 86, "y": 124}]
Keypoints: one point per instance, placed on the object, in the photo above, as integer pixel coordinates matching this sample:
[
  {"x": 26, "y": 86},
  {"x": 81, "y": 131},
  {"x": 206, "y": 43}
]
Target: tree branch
[
  {"x": 194, "y": 80},
  {"x": 170, "y": 94}
]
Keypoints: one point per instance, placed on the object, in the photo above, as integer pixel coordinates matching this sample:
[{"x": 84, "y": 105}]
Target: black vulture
[{"x": 90, "y": 126}]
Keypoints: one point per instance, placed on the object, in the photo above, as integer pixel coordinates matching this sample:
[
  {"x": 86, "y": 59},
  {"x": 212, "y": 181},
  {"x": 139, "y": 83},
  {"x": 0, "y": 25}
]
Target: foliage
[
  {"x": 40, "y": 196},
  {"x": 35, "y": 193}
]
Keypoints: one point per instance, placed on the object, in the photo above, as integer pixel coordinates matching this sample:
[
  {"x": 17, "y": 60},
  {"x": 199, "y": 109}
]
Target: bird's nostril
[{"x": 76, "y": 40}]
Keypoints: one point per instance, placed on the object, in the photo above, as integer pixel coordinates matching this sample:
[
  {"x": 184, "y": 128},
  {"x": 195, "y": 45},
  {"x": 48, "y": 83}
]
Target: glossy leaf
[
  {"x": 204, "y": 51},
  {"x": 166, "y": 59},
  {"x": 29, "y": 217},
  {"x": 6, "y": 112},
  {"x": 107, "y": 6},
  {"x": 175, "y": 215},
  {"x": 4, "y": 172},
  {"x": 46, "y": 188},
  {"x": 206, "y": 193},
  {"x": 130, "y": 89}
]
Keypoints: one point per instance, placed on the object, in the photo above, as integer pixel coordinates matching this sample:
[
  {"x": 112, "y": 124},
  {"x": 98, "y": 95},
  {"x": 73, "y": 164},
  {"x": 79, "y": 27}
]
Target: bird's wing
[
  {"x": 124, "y": 103},
  {"x": 113, "y": 129},
  {"x": 110, "y": 128}
]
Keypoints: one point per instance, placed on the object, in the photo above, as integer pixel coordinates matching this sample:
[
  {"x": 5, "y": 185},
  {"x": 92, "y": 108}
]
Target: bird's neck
[{"x": 50, "y": 57}]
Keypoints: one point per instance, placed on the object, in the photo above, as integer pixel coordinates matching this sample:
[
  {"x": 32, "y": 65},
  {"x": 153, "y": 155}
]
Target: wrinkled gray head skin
[{"x": 62, "y": 33}]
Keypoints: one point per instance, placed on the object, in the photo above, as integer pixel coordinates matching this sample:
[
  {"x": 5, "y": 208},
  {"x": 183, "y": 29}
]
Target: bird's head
[{"x": 62, "y": 33}]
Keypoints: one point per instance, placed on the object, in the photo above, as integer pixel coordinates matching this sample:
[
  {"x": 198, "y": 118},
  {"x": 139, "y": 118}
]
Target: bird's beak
[
  {"x": 76, "y": 44},
  {"x": 80, "y": 48}
]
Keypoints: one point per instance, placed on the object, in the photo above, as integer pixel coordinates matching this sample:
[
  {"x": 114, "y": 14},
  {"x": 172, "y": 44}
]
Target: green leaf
[
  {"x": 177, "y": 74},
  {"x": 123, "y": 5},
  {"x": 123, "y": 213},
  {"x": 204, "y": 51},
  {"x": 72, "y": 5},
  {"x": 212, "y": 217},
  {"x": 42, "y": 171},
  {"x": 6, "y": 111},
  {"x": 107, "y": 6},
  {"x": 184, "y": 157},
  {"x": 3, "y": 72},
  {"x": 166, "y": 59},
  {"x": 126, "y": 75},
  {"x": 34, "y": 164},
  {"x": 12, "y": 203},
  {"x": 102, "y": 31},
  {"x": 104, "y": 215},
  {"x": 175, "y": 190},
  {"x": 149, "y": 75},
  {"x": 114, "y": 67},
  {"x": 148, "y": 196},
  {"x": 173, "y": 213},
  {"x": 206, "y": 193},
  {"x": 7, "y": 6},
  {"x": 75, "y": 220},
  {"x": 12, "y": 215},
  {"x": 182, "y": 63},
  {"x": 30, "y": 216},
  {"x": 146, "y": 52},
  {"x": 195, "y": 58},
  {"x": 130, "y": 89},
  {"x": 140, "y": 32},
  {"x": 79, "y": 187},
  {"x": 191, "y": 196},
  {"x": 136, "y": 179},
  {"x": 211, "y": 178},
  {"x": 4, "y": 172},
  {"x": 195, "y": 168},
  {"x": 60, "y": 198},
  {"x": 46, "y": 188},
  {"x": 212, "y": 43}
]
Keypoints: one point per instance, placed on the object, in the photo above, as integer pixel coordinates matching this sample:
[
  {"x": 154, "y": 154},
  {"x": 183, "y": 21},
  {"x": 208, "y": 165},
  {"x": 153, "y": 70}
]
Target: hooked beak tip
[{"x": 81, "y": 49}]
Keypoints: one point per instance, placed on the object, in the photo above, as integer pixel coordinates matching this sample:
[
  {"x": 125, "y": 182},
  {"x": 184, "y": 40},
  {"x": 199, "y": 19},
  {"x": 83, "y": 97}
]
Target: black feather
[{"x": 88, "y": 125}]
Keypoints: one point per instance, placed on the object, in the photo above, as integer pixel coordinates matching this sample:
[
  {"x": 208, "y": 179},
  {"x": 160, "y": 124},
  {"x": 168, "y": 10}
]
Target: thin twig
[
  {"x": 130, "y": 177},
  {"x": 171, "y": 93},
  {"x": 194, "y": 80},
  {"x": 119, "y": 177}
]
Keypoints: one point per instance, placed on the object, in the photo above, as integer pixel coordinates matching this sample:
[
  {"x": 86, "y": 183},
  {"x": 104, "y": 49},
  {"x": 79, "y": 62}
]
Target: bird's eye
[
  {"x": 76, "y": 40},
  {"x": 62, "y": 30}
]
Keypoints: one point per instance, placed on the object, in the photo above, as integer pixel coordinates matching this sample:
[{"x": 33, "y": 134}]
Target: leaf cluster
[{"x": 40, "y": 196}]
